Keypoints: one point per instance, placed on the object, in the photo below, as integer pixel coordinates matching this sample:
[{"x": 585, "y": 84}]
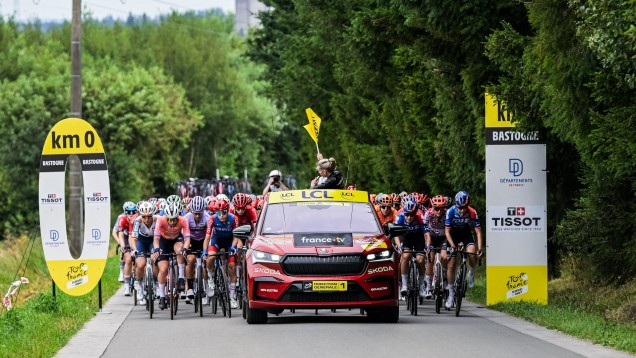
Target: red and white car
[{"x": 319, "y": 249}]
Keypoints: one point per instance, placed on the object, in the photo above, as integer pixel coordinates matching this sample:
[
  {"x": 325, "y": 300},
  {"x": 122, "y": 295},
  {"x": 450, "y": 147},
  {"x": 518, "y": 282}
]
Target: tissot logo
[{"x": 516, "y": 218}]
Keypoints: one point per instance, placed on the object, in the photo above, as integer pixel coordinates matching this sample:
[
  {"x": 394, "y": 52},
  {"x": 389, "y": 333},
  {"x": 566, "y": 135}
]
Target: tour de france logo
[{"x": 517, "y": 285}]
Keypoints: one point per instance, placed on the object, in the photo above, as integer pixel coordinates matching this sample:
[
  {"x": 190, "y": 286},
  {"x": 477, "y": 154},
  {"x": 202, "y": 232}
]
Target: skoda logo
[{"x": 323, "y": 250}]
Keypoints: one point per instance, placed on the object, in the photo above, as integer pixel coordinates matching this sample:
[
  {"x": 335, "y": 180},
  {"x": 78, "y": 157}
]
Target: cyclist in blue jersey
[
  {"x": 461, "y": 221},
  {"x": 412, "y": 240},
  {"x": 220, "y": 236},
  {"x": 198, "y": 221}
]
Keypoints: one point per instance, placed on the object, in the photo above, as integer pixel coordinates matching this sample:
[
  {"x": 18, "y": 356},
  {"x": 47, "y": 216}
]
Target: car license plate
[{"x": 329, "y": 285}]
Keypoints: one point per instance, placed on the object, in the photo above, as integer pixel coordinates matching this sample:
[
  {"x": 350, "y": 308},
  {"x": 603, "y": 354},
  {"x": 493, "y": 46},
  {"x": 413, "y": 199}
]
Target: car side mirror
[
  {"x": 396, "y": 230},
  {"x": 243, "y": 232}
]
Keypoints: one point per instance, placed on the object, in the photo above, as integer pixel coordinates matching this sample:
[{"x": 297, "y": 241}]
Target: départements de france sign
[{"x": 67, "y": 137}]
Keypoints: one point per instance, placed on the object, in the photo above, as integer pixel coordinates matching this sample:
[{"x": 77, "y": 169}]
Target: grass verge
[
  {"x": 41, "y": 326},
  {"x": 577, "y": 309}
]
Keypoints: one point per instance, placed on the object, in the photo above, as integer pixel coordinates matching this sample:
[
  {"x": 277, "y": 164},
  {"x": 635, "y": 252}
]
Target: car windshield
[{"x": 320, "y": 217}]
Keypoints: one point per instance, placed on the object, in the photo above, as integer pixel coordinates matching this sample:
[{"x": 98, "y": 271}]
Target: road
[{"x": 341, "y": 334}]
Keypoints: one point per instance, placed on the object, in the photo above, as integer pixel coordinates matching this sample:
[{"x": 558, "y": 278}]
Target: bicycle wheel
[
  {"x": 215, "y": 299},
  {"x": 132, "y": 285},
  {"x": 175, "y": 291},
  {"x": 414, "y": 289},
  {"x": 223, "y": 295},
  {"x": 198, "y": 298},
  {"x": 437, "y": 287},
  {"x": 459, "y": 288},
  {"x": 170, "y": 295}
]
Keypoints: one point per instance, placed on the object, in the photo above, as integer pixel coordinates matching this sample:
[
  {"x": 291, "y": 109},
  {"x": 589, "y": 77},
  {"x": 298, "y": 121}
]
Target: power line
[{"x": 173, "y": 4}]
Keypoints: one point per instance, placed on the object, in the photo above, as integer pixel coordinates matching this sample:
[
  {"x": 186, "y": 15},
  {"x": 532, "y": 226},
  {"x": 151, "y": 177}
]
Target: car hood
[{"x": 307, "y": 244}]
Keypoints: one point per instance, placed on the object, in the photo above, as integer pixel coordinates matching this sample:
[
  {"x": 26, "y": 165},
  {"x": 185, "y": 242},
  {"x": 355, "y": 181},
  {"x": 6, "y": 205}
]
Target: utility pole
[{"x": 75, "y": 198}]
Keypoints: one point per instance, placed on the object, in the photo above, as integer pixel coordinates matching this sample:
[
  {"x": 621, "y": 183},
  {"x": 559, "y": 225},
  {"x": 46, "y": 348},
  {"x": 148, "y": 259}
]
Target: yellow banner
[
  {"x": 497, "y": 114},
  {"x": 517, "y": 283},
  {"x": 72, "y": 136},
  {"x": 76, "y": 277},
  {"x": 318, "y": 195},
  {"x": 314, "y": 124}
]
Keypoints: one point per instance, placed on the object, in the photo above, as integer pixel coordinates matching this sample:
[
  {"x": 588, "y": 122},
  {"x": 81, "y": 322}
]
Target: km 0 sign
[{"x": 74, "y": 136}]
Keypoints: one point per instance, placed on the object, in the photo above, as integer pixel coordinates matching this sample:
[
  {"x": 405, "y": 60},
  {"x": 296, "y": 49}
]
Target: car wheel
[
  {"x": 384, "y": 315},
  {"x": 275, "y": 311},
  {"x": 255, "y": 316}
]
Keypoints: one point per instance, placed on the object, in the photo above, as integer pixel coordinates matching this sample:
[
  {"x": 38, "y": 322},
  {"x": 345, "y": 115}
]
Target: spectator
[
  {"x": 274, "y": 184},
  {"x": 329, "y": 177}
]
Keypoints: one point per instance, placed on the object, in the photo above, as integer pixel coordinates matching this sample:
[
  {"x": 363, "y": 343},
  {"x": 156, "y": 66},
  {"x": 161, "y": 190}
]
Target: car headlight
[
  {"x": 385, "y": 255},
  {"x": 264, "y": 257}
]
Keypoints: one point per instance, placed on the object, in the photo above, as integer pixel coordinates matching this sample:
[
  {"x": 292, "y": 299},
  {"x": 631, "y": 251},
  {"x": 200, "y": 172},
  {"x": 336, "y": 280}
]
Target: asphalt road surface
[{"x": 341, "y": 334}]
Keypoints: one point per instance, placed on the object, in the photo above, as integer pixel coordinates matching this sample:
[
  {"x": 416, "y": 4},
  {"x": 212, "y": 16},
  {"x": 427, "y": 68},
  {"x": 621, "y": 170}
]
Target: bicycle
[
  {"x": 221, "y": 288},
  {"x": 149, "y": 283},
  {"x": 240, "y": 284},
  {"x": 131, "y": 283},
  {"x": 460, "y": 277},
  {"x": 199, "y": 283},
  {"x": 172, "y": 286},
  {"x": 440, "y": 293},
  {"x": 413, "y": 295}
]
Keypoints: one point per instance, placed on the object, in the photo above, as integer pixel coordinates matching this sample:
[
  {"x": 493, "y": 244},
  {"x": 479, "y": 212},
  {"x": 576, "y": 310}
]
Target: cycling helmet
[
  {"x": 162, "y": 204},
  {"x": 187, "y": 200},
  {"x": 409, "y": 197},
  {"x": 378, "y": 198},
  {"x": 208, "y": 199},
  {"x": 395, "y": 198},
  {"x": 462, "y": 199},
  {"x": 421, "y": 198},
  {"x": 173, "y": 199},
  {"x": 222, "y": 205},
  {"x": 439, "y": 201},
  {"x": 240, "y": 200},
  {"x": 410, "y": 207},
  {"x": 172, "y": 210},
  {"x": 449, "y": 201},
  {"x": 372, "y": 198},
  {"x": 197, "y": 205},
  {"x": 212, "y": 206},
  {"x": 223, "y": 197},
  {"x": 403, "y": 194},
  {"x": 385, "y": 200},
  {"x": 146, "y": 208},
  {"x": 130, "y": 206}
]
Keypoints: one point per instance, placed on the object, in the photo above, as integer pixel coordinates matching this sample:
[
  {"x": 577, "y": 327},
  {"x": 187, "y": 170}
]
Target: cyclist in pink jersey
[{"x": 172, "y": 234}]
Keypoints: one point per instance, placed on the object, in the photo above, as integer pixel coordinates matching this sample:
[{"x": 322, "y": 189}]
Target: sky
[{"x": 62, "y": 9}]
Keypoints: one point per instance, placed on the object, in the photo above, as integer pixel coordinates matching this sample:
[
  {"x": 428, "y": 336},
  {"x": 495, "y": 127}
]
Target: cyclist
[
  {"x": 115, "y": 234},
  {"x": 141, "y": 239},
  {"x": 435, "y": 223},
  {"x": 186, "y": 203},
  {"x": 245, "y": 214},
  {"x": 220, "y": 236},
  {"x": 423, "y": 202},
  {"x": 198, "y": 223},
  {"x": 172, "y": 234},
  {"x": 396, "y": 201},
  {"x": 124, "y": 228},
  {"x": 385, "y": 212},
  {"x": 223, "y": 197},
  {"x": 461, "y": 219},
  {"x": 412, "y": 240}
]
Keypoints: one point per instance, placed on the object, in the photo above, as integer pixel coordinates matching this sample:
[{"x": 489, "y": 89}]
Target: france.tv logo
[{"x": 515, "y": 167}]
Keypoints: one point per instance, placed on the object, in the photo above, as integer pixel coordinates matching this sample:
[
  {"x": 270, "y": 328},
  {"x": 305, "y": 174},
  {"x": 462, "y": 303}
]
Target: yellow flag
[{"x": 314, "y": 124}]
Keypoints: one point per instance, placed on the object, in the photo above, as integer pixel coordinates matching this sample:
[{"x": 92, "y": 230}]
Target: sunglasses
[
  {"x": 239, "y": 209},
  {"x": 437, "y": 209},
  {"x": 385, "y": 207},
  {"x": 222, "y": 212},
  {"x": 131, "y": 212},
  {"x": 171, "y": 220},
  {"x": 147, "y": 216},
  {"x": 462, "y": 207},
  {"x": 409, "y": 214}
]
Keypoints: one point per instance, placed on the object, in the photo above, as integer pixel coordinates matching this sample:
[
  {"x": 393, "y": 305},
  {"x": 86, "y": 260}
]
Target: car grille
[
  {"x": 295, "y": 293},
  {"x": 341, "y": 265}
]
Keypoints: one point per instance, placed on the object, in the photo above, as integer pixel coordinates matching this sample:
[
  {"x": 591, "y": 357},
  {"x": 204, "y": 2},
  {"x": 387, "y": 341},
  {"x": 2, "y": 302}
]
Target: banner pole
[
  {"x": 99, "y": 293},
  {"x": 317, "y": 149},
  {"x": 53, "y": 288}
]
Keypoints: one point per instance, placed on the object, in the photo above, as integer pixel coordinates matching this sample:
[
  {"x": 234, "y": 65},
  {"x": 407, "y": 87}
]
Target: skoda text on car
[{"x": 319, "y": 249}]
